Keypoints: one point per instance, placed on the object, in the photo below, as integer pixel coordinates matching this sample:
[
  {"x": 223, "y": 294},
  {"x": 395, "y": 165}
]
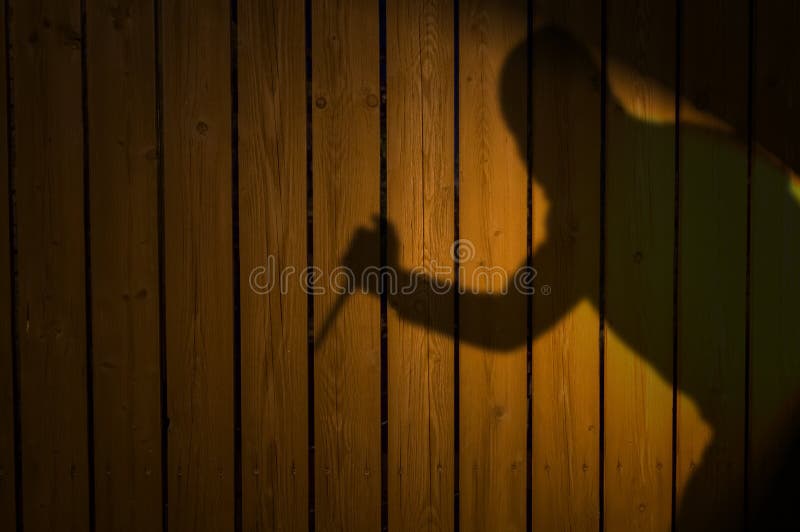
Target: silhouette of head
[
  {"x": 560, "y": 84},
  {"x": 556, "y": 55}
]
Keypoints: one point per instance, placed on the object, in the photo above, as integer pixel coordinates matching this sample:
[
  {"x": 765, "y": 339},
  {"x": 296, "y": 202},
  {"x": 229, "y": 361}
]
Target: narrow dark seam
[
  {"x": 87, "y": 247},
  {"x": 236, "y": 258},
  {"x": 15, "y": 358},
  {"x": 162, "y": 309},
  {"x": 676, "y": 257},
  {"x": 751, "y": 71},
  {"x": 529, "y": 264},
  {"x": 384, "y": 385},
  {"x": 602, "y": 259},
  {"x": 309, "y": 265},
  {"x": 457, "y": 266}
]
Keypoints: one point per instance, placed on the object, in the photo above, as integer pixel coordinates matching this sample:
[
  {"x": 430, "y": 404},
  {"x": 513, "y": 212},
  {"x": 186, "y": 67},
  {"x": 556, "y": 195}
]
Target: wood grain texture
[
  {"x": 191, "y": 54},
  {"x": 420, "y": 191},
  {"x": 346, "y": 188},
  {"x": 195, "y": 39},
  {"x": 48, "y": 178},
  {"x": 566, "y": 244},
  {"x": 639, "y": 268},
  {"x": 124, "y": 253},
  {"x": 775, "y": 261},
  {"x": 493, "y": 219},
  {"x": 8, "y": 515},
  {"x": 711, "y": 271},
  {"x": 272, "y": 223}
]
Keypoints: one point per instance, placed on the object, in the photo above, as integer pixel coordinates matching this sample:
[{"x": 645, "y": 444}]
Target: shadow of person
[{"x": 639, "y": 281}]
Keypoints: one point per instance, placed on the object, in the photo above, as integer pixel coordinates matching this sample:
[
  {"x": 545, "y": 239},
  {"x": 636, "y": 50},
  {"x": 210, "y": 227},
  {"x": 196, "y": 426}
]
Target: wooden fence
[{"x": 163, "y": 157}]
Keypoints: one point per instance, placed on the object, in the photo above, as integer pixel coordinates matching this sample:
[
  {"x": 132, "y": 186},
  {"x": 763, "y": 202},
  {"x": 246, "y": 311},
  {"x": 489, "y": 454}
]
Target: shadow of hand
[{"x": 364, "y": 252}]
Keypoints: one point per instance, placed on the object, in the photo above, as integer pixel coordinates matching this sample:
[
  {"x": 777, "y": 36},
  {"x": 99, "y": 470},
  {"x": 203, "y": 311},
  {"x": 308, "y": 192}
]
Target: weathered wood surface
[
  {"x": 198, "y": 263},
  {"x": 272, "y": 225},
  {"x": 640, "y": 216},
  {"x": 566, "y": 254},
  {"x": 156, "y": 148},
  {"x": 123, "y": 219},
  {"x": 420, "y": 203},
  {"x": 346, "y": 190},
  {"x": 493, "y": 182},
  {"x": 48, "y": 193}
]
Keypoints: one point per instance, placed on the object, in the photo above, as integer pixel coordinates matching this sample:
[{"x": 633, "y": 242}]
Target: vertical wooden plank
[
  {"x": 124, "y": 250},
  {"x": 420, "y": 173},
  {"x": 195, "y": 37},
  {"x": 775, "y": 262},
  {"x": 346, "y": 188},
  {"x": 639, "y": 265},
  {"x": 7, "y": 486},
  {"x": 272, "y": 227},
  {"x": 566, "y": 247},
  {"x": 493, "y": 228},
  {"x": 51, "y": 280},
  {"x": 712, "y": 269}
]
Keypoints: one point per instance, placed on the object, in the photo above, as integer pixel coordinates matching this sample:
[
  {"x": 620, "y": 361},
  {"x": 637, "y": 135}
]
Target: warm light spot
[
  {"x": 777, "y": 168},
  {"x": 690, "y": 449},
  {"x": 794, "y": 186},
  {"x": 648, "y": 400},
  {"x": 645, "y": 98},
  {"x": 541, "y": 212},
  {"x": 648, "y": 100}
]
